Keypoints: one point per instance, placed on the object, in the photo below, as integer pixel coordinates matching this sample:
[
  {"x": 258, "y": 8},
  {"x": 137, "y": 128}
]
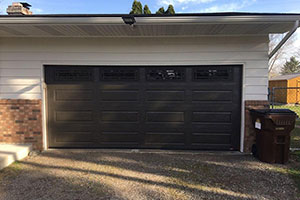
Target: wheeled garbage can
[{"x": 273, "y": 128}]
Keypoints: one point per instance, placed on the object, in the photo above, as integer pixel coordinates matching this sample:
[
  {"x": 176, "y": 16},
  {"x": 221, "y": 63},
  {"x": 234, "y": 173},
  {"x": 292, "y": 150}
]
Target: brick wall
[
  {"x": 249, "y": 139},
  {"x": 21, "y": 122}
]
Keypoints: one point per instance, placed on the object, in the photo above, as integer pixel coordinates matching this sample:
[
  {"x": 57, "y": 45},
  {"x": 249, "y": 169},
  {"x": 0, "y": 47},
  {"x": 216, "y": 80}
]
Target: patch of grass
[
  {"x": 11, "y": 170},
  {"x": 295, "y": 138},
  {"x": 296, "y": 156},
  {"x": 294, "y": 170}
]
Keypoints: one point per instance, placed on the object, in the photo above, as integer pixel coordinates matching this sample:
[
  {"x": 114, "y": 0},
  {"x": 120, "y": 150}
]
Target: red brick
[
  {"x": 249, "y": 138},
  {"x": 21, "y": 121}
]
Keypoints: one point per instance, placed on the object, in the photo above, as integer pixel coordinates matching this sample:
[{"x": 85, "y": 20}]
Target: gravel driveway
[{"x": 100, "y": 174}]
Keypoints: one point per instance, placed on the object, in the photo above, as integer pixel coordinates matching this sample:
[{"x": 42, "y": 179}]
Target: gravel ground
[{"x": 116, "y": 175}]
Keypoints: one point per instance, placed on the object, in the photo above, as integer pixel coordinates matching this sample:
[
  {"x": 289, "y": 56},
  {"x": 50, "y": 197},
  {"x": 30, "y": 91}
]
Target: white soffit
[{"x": 150, "y": 26}]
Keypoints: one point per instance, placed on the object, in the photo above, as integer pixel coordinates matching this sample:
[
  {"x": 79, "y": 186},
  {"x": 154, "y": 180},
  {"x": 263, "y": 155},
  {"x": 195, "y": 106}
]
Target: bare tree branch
[{"x": 286, "y": 51}]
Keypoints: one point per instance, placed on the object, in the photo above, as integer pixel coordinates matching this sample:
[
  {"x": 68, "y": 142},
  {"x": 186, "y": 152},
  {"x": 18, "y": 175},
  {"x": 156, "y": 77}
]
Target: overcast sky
[{"x": 181, "y": 6}]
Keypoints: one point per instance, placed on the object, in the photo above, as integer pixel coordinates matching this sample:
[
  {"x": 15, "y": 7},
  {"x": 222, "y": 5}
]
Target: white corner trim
[
  {"x": 44, "y": 109},
  {"x": 243, "y": 109}
]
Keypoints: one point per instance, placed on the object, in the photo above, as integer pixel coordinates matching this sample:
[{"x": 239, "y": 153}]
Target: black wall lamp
[{"x": 130, "y": 20}]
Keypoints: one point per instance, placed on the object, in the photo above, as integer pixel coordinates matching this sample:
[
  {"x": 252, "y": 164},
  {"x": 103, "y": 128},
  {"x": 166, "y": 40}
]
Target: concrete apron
[{"x": 9, "y": 153}]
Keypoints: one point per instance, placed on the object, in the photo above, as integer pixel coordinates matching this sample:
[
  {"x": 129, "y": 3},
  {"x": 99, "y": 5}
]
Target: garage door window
[
  {"x": 119, "y": 74},
  {"x": 165, "y": 75},
  {"x": 73, "y": 75},
  {"x": 213, "y": 74}
]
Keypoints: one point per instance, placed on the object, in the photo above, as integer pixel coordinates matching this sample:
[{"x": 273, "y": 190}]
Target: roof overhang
[{"x": 214, "y": 24}]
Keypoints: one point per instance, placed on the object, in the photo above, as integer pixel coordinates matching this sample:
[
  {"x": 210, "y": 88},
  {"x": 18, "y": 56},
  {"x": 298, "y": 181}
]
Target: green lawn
[
  {"x": 294, "y": 169},
  {"x": 295, "y": 137}
]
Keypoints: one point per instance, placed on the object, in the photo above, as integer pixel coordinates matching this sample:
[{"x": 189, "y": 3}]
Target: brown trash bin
[{"x": 273, "y": 128}]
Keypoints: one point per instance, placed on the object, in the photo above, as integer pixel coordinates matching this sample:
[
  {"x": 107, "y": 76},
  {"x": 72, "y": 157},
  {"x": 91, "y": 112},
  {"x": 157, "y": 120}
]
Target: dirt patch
[{"x": 133, "y": 175}]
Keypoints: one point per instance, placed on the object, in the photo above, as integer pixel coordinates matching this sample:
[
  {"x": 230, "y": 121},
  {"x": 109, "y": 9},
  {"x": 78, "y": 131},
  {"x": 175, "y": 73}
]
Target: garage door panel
[
  {"x": 123, "y": 85},
  {"x": 75, "y": 137},
  {"x": 73, "y": 106},
  {"x": 82, "y": 86},
  {"x": 120, "y": 106},
  {"x": 165, "y": 106},
  {"x": 119, "y": 138},
  {"x": 212, "y": 107},
  {"x": 119, "y": 127},
  {"x": 165, "y": 95},
  {"x": 74, "y": 95},
  {"x": 73, "y": 127},
  {"x": 74, "y": 116},
  {"x": 212, "y": 96},
  {"x": 164, "y": 139},
  {"x": 120, "y": 95},
  {"x": 73, "y": 145},
  {"x": 210, "y": 138},
  {"x": 120, "y": 116},
  {"x": 211, "y": 127},
  {"x": 165, "y": 85},
  {"x": 211, "y": 117},
  {"x": 119, "y": 133},
  {"x": 220, "y": 147},
  {"x": 165, "y": 117},
  {"x": 173, "y": 127},
  {"x": 118, "y": 145},
  {"x": 211, "y": 85},
  {"x": 192, "y": 107}
]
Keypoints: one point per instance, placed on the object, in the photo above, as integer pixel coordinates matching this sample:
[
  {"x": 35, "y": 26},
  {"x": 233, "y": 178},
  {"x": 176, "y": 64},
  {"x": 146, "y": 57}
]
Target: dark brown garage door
[{"x": 190, "y": 107}]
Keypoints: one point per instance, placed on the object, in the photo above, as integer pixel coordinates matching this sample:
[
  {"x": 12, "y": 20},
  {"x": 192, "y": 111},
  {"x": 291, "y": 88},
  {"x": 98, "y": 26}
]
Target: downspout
[{"x": 285, "y": 39}]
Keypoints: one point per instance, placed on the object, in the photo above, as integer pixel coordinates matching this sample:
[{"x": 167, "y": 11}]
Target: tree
[
  {"x": 137, "y": 7},
  {"x": 291, "y": 66},
  {"x": 170, "y": 10},
  {"x": 161, "y": 11},
  {"x": 276, "y": 62},
  {"x": 147, "y": 11}
]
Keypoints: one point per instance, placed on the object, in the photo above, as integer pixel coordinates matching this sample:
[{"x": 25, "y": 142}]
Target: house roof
[
  {"x": 285, "y": 77},
  {"x": 112, "y": 25}
]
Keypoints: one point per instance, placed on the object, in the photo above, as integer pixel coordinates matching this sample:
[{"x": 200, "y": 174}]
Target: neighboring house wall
[
  {"x": 293, "y": 94},
  {"x": 22, "y": 59},
  {"x": 285, "y": 96},
  {"x": 280, "y": 96}
]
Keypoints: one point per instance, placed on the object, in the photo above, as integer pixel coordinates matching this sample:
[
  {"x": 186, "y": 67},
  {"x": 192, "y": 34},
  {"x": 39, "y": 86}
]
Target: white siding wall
[{"x": 22, "y": 60}]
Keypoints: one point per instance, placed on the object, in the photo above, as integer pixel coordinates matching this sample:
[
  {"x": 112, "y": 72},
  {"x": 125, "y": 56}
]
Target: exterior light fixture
[{"x": 130, "y": 20}]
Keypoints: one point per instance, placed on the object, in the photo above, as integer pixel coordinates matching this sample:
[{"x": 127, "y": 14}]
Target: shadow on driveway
[{"x": 92, "y": 174}]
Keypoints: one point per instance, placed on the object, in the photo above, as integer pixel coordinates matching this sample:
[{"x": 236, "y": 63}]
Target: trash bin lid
[{"x": 273, "y": 111}]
